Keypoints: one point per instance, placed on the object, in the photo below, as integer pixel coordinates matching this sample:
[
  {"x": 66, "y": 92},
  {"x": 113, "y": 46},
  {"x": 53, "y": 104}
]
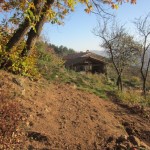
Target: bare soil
[{"x": 61, "y": 117}]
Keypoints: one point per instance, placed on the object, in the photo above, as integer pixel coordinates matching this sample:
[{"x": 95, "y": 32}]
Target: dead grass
[
  {"x": 11, "y": 133},
  {"x": 60, "y": 116}
]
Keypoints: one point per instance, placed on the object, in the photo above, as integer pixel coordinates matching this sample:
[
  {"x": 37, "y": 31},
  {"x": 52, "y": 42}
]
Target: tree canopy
[
  {"x": 25, "y": 15},
  {"x": 21, "y": 28},
  {"x": 143, "y": 27},
  {"x": 120, "y": 45}
]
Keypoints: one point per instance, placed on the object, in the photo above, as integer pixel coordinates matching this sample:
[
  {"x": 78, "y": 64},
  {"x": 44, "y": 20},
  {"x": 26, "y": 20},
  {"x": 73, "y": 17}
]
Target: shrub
[
  {"x": 12, "y": 62},
  {"x": 134, "y": 82},
  {"x": 132, "y": 96},
  {"x": 49, "y": 65},
  {"x": 135, "y": 79}
]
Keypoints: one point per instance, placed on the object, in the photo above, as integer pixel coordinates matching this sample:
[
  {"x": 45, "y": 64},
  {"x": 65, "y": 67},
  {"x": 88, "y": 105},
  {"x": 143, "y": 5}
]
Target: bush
[
  {"x": 134, "y": 82},
  {"x": 135, "y": 79},
  {"x": 49, "y": 65},
  {"x": 12, "y": 62},
  {"x": 132, "y": 97}
]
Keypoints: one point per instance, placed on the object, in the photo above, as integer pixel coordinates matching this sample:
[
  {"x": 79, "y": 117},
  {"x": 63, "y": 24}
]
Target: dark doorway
[{"x": 95, "y": 69}]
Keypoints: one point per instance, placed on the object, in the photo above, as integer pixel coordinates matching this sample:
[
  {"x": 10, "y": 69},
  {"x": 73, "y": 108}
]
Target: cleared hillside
[{"x": 59, "y": 116}]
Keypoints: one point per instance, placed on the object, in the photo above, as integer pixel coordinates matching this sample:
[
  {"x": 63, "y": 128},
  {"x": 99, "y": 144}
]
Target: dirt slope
[{"x": 61, "y": 117}]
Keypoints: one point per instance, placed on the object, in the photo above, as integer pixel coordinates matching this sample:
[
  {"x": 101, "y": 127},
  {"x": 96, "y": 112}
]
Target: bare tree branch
[{"x": 143, "y": 27}]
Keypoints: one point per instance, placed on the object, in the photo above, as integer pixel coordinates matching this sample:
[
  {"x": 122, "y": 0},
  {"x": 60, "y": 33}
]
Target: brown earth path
[{"x": 61, "y": 117}]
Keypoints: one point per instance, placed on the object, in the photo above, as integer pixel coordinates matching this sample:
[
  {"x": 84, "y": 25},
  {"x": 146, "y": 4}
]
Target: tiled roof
[
  {"x": 84, "y": 54},
  {"x": 80, "y": 57}
]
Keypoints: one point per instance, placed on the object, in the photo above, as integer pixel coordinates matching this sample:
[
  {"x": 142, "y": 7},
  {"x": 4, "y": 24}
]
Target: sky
[
  {"x": 77, "y": 30},
  {"x": 77, "y": 33}
]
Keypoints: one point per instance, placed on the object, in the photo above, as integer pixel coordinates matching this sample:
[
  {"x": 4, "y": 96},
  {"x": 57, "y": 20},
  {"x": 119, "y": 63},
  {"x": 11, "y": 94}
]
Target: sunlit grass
[{"x": 52, "y": 68}]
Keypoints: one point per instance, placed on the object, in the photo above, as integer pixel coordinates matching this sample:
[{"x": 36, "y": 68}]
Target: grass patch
[
  {"x": 52, "y": 68},
  {"x": 132, "y": 97}
]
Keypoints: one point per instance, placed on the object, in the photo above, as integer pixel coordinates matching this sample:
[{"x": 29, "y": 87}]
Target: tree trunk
[
  {"x": 119, "y": 82},
  {"x": 144, "y": 88},
  {"x": 22, "y": 30},
  {"x": 34, "y": 34},
  {"x": 18, "y": 35},
  {"x": 121, "y": 86},
  {"x": 145, "y": 78}
]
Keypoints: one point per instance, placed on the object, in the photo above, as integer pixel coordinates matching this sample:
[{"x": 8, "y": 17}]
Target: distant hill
[
  {"x": 104, "y": 54},
  {"x": 98, "y": 52},
  {"x": 59, "y": 50}
]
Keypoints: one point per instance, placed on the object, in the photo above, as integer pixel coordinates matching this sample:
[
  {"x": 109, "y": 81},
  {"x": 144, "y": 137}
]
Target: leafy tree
[
  {"x": 31, "y": 16},
  {"x": 59, "y": 50},
  {"x": 62, "y": 50},
  {"x": 37, "y": 12},
  {"x": 143, "y": 27},
  {"x": 121, "y": 47}
]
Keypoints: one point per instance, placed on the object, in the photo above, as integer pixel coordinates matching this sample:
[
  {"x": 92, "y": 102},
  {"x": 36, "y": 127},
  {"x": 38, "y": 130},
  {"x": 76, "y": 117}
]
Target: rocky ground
[{"x": 61, "y": 117}]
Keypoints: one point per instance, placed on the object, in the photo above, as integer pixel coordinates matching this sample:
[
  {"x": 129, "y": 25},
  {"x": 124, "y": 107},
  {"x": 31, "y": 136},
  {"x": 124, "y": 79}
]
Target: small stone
[
  {"x": 130, "y": 131},
  {"x": 110, "y": 139},
  {"x": 134, "y": 140},
  {"x": 46, "y": 109},
  {"x": 98, "y": 135},
  {"x": 128, "y": 145},
  {"x": 29, "y": 123},
  {"x": 39, "y": 115},
  {"x": 30, "y": 147},
  {"x": 144, "y": 146},
  {"x": 92, "y": 117},
  {"x": 74, "y": 86},
  {"x": 122, "y": 147},
  {"x": 23, "y": 92},
  {"x": 17, "y": 81},
  {"x": 126, "y": 123},
  {"x": 122, "y": 138},
  {"x": 97, "y": 145},
  {"x": 1, "y": 84}
]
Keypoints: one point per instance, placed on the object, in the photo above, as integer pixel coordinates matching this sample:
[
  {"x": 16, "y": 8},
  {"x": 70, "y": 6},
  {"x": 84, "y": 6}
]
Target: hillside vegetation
[
  {"x": 44, "y": 106},
  {"x": 52, "y": 68},
  {"x": 57, "y": 115},
  {"x": 56, "y": 108}
]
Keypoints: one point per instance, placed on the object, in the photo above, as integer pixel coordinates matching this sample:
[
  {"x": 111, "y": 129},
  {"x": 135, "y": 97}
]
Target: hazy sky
[{"x": 77, "y": 33}]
